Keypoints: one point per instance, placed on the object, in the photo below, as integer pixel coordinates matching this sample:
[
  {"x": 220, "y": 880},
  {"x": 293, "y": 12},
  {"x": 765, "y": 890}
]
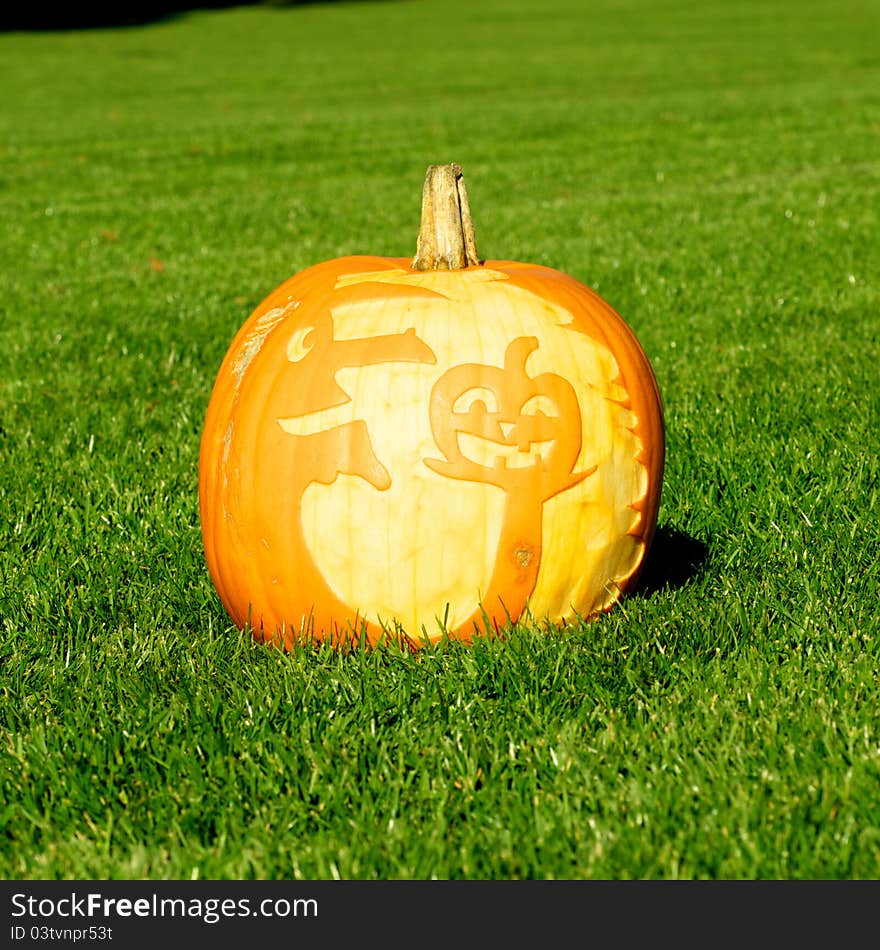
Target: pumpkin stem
[{"x": 446, "y": 236}]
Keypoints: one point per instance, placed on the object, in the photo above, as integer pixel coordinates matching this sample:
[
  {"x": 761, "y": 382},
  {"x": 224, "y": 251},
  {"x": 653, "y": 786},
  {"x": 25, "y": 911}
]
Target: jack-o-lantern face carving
[{"x": 501, "y": 426}]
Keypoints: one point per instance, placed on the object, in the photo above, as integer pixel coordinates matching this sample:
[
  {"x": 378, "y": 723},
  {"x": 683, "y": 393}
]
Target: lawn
[{"x": 712, "y": 171}]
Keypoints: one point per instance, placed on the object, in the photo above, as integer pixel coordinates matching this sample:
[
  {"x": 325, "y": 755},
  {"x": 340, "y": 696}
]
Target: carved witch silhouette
[{"x": 315, "y": 357}]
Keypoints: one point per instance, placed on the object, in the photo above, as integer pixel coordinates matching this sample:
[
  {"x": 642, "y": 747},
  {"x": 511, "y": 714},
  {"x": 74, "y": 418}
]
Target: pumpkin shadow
[{"x": 674, "y": 559}]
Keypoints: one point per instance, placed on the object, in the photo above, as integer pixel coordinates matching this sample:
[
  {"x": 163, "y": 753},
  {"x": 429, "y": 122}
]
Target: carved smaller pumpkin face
[{"x": 500, "y": 425}]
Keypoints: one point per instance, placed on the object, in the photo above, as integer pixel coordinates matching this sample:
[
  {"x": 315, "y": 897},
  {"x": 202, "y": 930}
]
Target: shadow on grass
[
  {"x": 94, "y": 15},
  {"x": 674, "y": 559}
]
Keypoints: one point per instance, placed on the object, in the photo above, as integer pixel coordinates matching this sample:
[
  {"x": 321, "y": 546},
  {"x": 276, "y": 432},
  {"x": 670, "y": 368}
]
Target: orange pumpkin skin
[{"x": 390, "y": 452}]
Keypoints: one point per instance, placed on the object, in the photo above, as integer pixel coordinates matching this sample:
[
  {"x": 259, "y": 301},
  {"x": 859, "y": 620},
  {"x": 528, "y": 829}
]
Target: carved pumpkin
[{"x": 412, "y": 448}]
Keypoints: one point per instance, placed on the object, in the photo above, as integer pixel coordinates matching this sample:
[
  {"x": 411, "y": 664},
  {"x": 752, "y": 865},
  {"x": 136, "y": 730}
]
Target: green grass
[{"x": 712, "y": 171}]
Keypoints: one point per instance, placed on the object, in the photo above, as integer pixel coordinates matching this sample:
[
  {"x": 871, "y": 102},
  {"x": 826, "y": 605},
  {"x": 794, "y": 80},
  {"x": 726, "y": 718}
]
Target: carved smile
[{"x": 491, "y": 454}]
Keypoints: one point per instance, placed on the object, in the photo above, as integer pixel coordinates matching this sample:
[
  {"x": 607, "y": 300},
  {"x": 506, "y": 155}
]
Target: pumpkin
[{"x": 419, "y": 448}]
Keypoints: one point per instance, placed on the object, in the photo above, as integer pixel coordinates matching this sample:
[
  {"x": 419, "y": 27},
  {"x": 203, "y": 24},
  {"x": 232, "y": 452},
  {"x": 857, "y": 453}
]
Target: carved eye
[
  {"x": 298, "y": 346},
  {"x": 540, "y": 405},
  {"x": 479, "y": 399}
]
